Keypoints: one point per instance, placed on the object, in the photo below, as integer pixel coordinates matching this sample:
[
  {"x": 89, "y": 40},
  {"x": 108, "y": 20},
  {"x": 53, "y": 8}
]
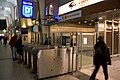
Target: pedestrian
[
  {"x": 47, "y": 41},
  {"x": 20, "y": 49},
  {"x": 12, "y": 44},
  {"x": 5, "y": 40},
  {"x": 101, "y": 58}
]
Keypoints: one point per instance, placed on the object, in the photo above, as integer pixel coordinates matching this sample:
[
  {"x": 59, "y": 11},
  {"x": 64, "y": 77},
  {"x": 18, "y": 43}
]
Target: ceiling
[
  {"x": 7, "y": 9},
  {"x": 102, "y": 16},
  {"x": 107, "y": 10}
]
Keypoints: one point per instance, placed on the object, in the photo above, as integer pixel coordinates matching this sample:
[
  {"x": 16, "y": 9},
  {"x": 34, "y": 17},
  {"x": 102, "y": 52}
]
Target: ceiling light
[
  {"x": 85, "y": 21},
  {"x": 23, "y": 26},
  {"x": 5, "y": 15},
  {"x": 78, "y": 33},
  {"x": 92, "y": 20},
  {"x": 17, "y": 31},
  {"x": 79, "y": 22},
  {"x": 115, "y": 9},
  {"x": 100, "y": 18},
  {"x": 90, "y": 24}
]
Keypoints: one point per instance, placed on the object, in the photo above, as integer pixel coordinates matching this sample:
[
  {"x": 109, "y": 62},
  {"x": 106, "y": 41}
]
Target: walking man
[{"x": 101, "y": 58}]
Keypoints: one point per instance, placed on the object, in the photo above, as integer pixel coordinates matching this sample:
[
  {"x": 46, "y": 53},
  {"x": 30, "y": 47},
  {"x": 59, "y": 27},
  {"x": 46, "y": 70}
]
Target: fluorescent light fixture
[{"x": 5, "y": 15}]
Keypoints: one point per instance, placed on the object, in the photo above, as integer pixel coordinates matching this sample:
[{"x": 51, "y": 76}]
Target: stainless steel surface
[{"x": 53, "y": 62}]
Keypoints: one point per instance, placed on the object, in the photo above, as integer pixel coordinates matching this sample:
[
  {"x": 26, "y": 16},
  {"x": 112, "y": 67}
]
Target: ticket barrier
[
  {"x": 25, "y": 53},
  {"x": 53, "y": 62},
  {"x": 29, "y": 49},
  {"x": 29, "y": 56},
  {"x": 34, "y": 52}
]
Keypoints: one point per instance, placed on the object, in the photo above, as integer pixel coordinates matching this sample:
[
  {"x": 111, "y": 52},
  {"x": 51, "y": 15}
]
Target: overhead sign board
[
  {"x": 72, "y": 15},
  {"x": 76, "y": 4},
  {"x": 27, "y": 9}
]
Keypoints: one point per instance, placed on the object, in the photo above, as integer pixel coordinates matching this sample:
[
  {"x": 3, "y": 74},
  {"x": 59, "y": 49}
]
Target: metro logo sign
[
  {"x": 76, "y": 4},
  {"x": 27, "y": 9}
]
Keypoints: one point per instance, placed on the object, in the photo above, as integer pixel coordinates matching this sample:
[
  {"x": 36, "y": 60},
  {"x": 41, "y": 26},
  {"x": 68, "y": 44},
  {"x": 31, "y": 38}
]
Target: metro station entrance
[{"x": 86, "y": 43}]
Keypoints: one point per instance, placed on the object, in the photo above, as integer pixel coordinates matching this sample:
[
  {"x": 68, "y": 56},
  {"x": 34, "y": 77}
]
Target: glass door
[
  {"x": 87, "y": 49},
  {"x": 112, "y": 37},
  {"x": 115, "y": 42},
  {"x": 79, "y": 52},
  {"x": 86, "y": 43}
]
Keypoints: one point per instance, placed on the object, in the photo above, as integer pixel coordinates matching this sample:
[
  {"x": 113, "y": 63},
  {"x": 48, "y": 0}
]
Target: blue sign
[
  {"x": 58, "y": 18},
  {"x": 47, "y": 10},
  {"x": 27, "y": 9}
]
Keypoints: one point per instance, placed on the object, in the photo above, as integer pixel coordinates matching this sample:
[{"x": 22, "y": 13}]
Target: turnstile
[
  {"x": 34, "y": 53},
  {"x": 25, "y": 53},
  {"x": 52, "y": 62},
  {"x": 28, "y": 54}
]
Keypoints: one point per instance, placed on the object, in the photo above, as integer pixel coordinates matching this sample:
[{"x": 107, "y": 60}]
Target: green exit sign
[{"x": 4, "y": 30}]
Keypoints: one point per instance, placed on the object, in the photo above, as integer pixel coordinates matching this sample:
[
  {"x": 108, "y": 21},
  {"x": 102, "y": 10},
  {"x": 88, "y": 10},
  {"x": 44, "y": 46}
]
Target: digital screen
[
  {"x": 24, "y": 30},
  {"x": 3, "y": 24},
  {"x": 27, "y": 9}
]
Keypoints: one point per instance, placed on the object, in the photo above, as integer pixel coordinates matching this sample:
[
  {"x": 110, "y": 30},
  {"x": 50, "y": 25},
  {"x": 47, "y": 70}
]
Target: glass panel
[
  {"x": 87, "y": 49},
  {"x": 109, "y": 40},
  {"x": 115, "y": 42},
  {"x": 79, "y": 56},
  {"x": 101, "y": 33},
  {"x": 53, "y": 39}
]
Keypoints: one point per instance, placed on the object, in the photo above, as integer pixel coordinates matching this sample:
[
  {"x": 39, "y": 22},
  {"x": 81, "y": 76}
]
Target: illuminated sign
[
  {"x": 35, "y": 28},
  {"x": 51, "y": 10},
  {"x": 47, "y": 12},
  {"x": 76, "y": 4},
  {"x": 27, "y": 9},
  {"x": 4, "y": 30}
]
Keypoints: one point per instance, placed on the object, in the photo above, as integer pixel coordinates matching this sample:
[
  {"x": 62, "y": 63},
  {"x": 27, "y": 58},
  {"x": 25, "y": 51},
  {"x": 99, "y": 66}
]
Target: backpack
[{"x": 99, "y": 52}]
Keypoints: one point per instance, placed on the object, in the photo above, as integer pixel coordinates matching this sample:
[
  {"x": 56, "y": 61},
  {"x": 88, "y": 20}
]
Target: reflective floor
[{"x": 11, "y": 70}]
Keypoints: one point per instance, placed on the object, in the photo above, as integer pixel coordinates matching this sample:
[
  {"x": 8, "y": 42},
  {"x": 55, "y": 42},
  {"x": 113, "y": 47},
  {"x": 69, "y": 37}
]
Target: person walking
[
  {"x": 12, "y": 44},
  {"x": 101, "y": 58},
  {"x": 20, "y": 49},
  {"x": 5, "y": 40}
]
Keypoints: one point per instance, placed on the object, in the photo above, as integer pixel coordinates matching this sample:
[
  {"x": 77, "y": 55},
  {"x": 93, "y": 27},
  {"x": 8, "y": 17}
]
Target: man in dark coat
[
  {"x": 12, "y": 43},
  {"x": 19, "y": 49},
  {"x": 101, "y": 58}
]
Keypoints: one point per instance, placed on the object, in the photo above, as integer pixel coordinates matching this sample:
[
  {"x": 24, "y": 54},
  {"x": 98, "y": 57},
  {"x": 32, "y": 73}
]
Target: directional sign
[{"x": 27, "y": 9}]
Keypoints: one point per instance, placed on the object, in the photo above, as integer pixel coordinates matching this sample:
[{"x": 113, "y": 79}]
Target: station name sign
[
  {"x": 72, "y": 15},
  {"x": 27, "y": 9},
  {"x": 76, "y": 4}
]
